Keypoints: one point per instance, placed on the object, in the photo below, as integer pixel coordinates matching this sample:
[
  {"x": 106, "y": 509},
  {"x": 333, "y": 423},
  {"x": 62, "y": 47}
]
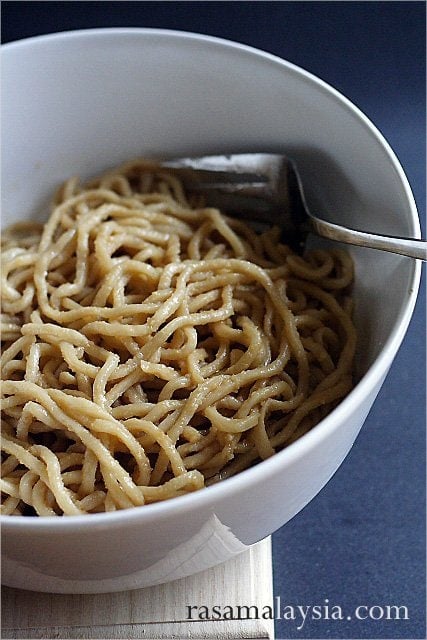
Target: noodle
[{"x": 152, "y": 345}]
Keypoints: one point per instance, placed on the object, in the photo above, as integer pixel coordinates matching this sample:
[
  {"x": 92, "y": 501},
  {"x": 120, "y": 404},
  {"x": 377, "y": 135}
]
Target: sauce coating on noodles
[{"x": 153, "y": 345}]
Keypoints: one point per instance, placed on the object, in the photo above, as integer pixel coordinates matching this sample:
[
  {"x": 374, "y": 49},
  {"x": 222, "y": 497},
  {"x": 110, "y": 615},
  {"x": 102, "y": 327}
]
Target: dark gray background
[{"x": 361, "y": 541}]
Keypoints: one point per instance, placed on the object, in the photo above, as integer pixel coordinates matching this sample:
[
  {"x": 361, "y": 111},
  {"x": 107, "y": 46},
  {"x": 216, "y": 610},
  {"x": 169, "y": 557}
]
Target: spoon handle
[{"x": 405, "y": 246}]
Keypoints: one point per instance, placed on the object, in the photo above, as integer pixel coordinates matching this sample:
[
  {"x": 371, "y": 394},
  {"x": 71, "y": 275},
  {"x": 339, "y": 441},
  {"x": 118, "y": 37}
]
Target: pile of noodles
[{"x": 152, "y": 345}]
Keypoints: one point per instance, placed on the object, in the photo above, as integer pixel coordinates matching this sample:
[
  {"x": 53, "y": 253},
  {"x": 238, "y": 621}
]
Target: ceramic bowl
[{"x": 80, "y": 102}]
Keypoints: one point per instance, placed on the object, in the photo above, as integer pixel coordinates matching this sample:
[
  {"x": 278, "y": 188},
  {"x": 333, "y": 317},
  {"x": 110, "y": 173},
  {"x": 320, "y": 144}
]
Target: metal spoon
[{"x": 267, "y": 188}]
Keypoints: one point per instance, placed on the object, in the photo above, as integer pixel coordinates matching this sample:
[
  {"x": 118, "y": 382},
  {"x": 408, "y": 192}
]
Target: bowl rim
[{"x": 213, "y": 494}]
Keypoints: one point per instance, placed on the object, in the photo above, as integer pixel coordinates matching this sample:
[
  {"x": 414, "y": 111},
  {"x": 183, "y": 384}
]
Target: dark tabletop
[{"x": 361, "y": 541}]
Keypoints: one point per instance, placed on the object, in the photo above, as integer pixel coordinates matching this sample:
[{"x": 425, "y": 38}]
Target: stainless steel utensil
[{"x": 267, "y": 188}]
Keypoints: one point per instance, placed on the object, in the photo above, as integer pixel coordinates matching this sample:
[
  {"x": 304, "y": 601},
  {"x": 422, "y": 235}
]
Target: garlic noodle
[{"x": 152, "y": 345}]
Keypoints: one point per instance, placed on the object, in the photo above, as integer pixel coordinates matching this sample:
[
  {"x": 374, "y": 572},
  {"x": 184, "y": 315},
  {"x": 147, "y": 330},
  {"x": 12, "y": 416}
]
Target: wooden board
[{"x": 159, "y": 612}]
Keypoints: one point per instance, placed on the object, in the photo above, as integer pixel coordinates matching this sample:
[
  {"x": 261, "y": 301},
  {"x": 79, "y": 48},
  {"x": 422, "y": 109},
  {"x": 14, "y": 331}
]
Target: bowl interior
[{"x": 77, "y": 103}]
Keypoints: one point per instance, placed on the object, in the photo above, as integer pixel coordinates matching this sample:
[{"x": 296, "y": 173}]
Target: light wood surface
[{"x": 159, "y": 612}]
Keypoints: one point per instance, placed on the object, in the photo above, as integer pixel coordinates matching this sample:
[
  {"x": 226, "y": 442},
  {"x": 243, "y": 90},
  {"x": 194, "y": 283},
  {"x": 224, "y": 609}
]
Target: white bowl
[{"x": 79, "y": 102}]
